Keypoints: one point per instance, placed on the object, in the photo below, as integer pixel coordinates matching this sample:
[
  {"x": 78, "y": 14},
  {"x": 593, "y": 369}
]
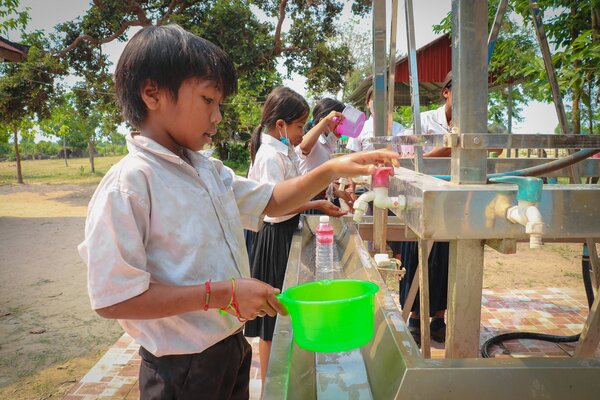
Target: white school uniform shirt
[
  {"x": 433, "y": 122},
  {"x": 321, "y": 152},
  {"x": 361, "y": 142},
  {"x": 274, "y": 162},
  {"x": 156, "y": 219}
]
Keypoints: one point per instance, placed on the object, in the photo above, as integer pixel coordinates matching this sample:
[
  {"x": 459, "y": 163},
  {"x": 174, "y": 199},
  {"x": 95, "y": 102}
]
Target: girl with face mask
[{"x": 274, "y": 160}]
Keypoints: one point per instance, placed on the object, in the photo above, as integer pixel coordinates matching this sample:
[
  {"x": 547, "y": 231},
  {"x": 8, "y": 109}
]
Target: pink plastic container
[{"x": 353, "y": 122}]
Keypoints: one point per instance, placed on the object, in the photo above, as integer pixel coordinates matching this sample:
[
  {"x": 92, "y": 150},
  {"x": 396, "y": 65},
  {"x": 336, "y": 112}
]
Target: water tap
[
  {"x": 526, "y": 212},
  {"x": 379, "y": 194}
]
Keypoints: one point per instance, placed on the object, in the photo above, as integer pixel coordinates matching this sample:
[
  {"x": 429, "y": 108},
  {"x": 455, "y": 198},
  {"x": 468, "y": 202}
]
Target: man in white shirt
[{"x": 361, "y": 143}]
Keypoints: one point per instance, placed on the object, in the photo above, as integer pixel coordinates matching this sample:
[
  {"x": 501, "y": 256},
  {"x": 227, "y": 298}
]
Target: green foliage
[
  {"x": 11, "y": 19},
  {"x": 573, "y": 31},
  {"x": 359, "y": 41},
  {"x": 237, "y": 157},
  {"x": 404, "y": 114},
  {"x": 514, "y": 60},
  {"x": 256, "y": 46}
]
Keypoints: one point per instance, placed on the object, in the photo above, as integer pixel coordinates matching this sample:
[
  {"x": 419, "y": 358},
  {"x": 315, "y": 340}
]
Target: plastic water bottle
[{"x": 324, "y": 255}]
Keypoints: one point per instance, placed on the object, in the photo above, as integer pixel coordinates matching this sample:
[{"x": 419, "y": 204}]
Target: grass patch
[
  {"x": 55, "y": 171},
  {"x": 78, "y": 171},
  {"x": 573, "y": 275}
]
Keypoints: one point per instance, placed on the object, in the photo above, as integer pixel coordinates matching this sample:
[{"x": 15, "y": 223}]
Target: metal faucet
[{"x": 526, "y": 212}]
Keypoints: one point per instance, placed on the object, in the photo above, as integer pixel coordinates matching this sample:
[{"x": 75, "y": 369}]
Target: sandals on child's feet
[{"x": 438, "y": 329}]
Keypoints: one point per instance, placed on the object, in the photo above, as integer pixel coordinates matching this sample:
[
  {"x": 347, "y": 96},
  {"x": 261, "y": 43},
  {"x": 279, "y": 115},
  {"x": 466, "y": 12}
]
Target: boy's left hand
[
  {"x": 330, "y": 209},
  {"x": 361, "y": 163}
]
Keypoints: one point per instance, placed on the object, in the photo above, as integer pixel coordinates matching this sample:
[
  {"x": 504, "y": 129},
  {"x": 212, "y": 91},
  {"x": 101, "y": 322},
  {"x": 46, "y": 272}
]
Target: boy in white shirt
[{"x": 163, "y": 239}]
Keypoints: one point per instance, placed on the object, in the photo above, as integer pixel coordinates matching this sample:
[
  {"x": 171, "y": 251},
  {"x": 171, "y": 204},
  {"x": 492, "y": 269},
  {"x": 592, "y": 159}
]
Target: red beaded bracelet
[{"x": 207, "y": 298}]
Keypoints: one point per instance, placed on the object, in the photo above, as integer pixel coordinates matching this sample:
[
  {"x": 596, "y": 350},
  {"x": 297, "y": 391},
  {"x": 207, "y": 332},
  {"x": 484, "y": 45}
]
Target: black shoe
[
  {"x": 414, "y": 327},
  {"x": 437, "y": 329}
]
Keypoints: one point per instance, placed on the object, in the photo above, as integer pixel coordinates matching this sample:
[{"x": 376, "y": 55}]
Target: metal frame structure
[
  {"x": 391, "y": 365},
  {"x": 468, "y": 213}
]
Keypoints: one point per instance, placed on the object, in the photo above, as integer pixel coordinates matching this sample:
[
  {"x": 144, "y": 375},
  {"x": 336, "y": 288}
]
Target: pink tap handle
[{"x": 381, "y": 177}]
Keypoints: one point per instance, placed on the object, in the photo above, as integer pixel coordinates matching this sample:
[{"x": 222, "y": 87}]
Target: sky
[{"x": 538, "y": 117}]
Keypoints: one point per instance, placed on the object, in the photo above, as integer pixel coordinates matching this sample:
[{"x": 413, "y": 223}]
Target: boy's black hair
[
  {"x": 282, "y": 103},
  {"x": 167, "y": 56},
  {"x": 322, "y": 109}
]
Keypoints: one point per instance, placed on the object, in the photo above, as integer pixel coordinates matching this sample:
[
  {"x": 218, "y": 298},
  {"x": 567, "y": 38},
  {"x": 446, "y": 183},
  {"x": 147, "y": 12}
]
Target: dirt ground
[{"x": 49, "y": 337}]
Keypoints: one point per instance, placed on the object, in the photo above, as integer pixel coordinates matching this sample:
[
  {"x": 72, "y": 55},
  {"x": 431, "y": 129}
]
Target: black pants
[{"x": 220, "y": 372}]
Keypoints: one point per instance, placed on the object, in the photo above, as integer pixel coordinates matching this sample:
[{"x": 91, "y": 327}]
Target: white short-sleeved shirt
[
  {"x": 155, "y": 218},
  {"x": 361, "y": 143},
  {"x": 433, "y": 122},
  {"x": 274, "y": 162},
  {"x": 321, "y": 152}
]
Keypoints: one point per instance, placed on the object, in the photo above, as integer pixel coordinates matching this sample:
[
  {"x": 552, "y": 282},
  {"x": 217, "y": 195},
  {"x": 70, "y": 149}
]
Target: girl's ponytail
[{"x": 255, "y": 141}]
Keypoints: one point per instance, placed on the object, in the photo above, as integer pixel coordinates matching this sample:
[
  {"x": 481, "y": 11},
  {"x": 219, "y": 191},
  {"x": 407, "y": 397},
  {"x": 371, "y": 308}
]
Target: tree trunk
[
  {"x": 91, "y": 152},
  {"x": 576, "y": 94},
  {"x": 65, "y": 151},
  {"x": 222, "y": 150},
  {"x": 18, "y": 156},
  {"x": 590, "y": 108}
]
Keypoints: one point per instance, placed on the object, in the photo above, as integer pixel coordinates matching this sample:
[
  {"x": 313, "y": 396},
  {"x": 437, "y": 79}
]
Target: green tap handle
[{"x": 530, "y": 188}]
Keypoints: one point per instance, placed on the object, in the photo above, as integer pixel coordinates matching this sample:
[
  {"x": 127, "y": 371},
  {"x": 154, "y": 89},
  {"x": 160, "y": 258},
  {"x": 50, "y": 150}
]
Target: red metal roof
[
  {"x": 10, "y": 51},
  {"x": 434, "y": 61}
]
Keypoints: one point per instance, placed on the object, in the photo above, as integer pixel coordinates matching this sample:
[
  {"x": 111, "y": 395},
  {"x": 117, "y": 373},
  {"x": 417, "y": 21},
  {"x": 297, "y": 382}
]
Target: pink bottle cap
[{"x": 381, "y": 177}]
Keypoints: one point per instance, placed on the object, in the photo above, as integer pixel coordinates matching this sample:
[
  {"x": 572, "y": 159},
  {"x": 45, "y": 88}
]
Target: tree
[
  {"x": 255, "y": 45},
  {"x": 510, "y": 67},
  {"x": 59, "y": 123},
  {"x": 360, "y": 43},
  {"x": 92, "y": 99},
  {"x": 573, "y": 32},
  {"x": 26, "y": 90}
]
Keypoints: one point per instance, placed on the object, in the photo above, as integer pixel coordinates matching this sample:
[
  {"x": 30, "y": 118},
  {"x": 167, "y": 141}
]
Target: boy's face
[{"x": 189, "y": 122}]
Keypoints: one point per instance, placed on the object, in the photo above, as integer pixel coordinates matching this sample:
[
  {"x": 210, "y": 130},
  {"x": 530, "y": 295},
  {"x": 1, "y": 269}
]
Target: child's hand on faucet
[{"x": 361, "y": 163}]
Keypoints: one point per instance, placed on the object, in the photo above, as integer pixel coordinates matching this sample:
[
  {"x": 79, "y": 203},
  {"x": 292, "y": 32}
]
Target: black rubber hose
[
  {"x": 542, "y": 169},
  {"x": 550, "y": 166},
  {"x": 586, "y": 271},
  {"x": 495, "y": 340}
]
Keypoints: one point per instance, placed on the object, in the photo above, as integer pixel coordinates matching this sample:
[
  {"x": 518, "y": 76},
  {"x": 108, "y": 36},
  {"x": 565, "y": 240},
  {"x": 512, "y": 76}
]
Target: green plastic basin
[{"x": 331, "y": 315}]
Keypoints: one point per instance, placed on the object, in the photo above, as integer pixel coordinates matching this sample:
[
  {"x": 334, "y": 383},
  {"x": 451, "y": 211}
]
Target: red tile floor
[{"x": 551, "y": 310}]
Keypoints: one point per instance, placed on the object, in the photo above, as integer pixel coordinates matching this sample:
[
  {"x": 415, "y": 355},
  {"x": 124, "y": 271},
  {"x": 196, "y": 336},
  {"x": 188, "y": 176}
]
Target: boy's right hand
[{"x": 257, "y": 299}]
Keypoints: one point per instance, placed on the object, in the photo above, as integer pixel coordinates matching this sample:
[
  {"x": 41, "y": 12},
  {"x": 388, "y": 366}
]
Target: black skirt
[
  {"x": 268, "y": 262},
  {"x": 438, "y": 274}
]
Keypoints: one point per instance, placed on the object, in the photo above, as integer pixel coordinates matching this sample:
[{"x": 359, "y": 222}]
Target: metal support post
[
  {"x": 380, "y": 120},
  {"x": 465, "y": 280},
  {"x": 469, "y": 86},
  {"x": 510, "y": 106},
  {"x": 468, "y": 166},
  {"x": 496, "y": 27},
  {"x": 413, "y": 75},
  {"x": 591, "y": 339},
  {"x": 590, "y": 336},
  {"x": 392, "y": 69},
  {"x": 424, "y": 297}
]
